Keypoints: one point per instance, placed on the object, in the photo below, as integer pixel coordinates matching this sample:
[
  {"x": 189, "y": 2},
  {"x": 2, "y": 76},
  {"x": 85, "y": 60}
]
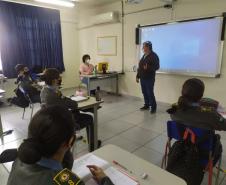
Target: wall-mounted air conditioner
[
  {"x": 133, "y": 1},
  {"x": 109, "y": 17}
]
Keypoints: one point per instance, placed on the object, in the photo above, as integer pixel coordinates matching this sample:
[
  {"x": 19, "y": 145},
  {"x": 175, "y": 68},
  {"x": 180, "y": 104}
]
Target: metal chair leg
[
  {"x": 218, "y": 171},
  {"x": 23, "y": 113}
]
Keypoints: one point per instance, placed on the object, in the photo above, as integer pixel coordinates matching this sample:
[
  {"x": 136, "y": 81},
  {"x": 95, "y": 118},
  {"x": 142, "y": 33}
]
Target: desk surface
[
  {"x": 138, "y": 166},
  {"x": 100, "y": 75},
  {"x": 90, "y": 102}
]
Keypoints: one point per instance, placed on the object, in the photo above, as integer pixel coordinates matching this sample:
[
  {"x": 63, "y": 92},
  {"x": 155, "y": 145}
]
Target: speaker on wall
[{"x": 137, "y": 35}]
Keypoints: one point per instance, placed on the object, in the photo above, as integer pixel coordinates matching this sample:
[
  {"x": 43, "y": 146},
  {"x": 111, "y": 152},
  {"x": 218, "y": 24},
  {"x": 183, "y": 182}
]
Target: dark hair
[
  {"x": 51, "y": 74},
  {"x": 85, "y": 57},
  {"x": 192, "y": 92},
  {"x": 19, "y": 67},
  {"x": 48, "y": 130},
  {"x": 148, "y": 44}
]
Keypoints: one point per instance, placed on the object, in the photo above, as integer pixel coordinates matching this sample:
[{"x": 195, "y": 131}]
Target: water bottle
[{"x": 98, "y": 97}]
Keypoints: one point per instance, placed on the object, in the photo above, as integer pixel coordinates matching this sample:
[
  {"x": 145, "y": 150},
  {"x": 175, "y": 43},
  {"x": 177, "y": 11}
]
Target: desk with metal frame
[
  {"x": 137, "y": 166},
  {"x": 98, "y": 77},
  {"x": 92, "y": 103}
]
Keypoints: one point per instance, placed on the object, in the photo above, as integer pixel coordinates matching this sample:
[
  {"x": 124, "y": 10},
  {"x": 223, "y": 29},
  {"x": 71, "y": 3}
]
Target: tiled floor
[{"x": 120, "y": 123}]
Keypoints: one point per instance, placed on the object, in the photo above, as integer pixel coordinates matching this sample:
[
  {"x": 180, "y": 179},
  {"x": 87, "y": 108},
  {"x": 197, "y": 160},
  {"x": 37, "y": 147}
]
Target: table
[
  {"x": 138, "y": 166},
  {"x": 92, "y": 103},
  {"x": 98, "y": 77}
]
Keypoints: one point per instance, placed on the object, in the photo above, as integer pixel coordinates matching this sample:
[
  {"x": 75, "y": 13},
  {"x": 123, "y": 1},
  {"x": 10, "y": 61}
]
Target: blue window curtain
[{"x": 31, "y": 36}]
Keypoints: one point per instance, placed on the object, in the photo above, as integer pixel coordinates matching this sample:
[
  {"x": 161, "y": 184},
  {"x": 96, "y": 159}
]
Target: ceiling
[{"x": 97, "y": 2}]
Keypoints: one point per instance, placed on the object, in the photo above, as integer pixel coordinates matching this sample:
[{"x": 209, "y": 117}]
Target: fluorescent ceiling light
[{"x": 58, "y": 2}]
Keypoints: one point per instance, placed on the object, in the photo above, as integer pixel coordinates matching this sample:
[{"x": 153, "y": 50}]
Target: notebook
[
  {"x": 117, "y": 176},
  {"x": 79, "y": 98}
]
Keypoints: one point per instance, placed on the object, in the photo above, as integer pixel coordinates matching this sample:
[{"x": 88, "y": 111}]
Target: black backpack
[
  {"x": 20, "y": 99},
  {"x": 184, "y": 162}
]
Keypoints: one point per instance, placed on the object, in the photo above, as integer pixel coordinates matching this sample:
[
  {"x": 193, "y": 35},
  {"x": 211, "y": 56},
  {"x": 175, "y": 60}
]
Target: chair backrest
[
  {"x": 26, "y": 95},
  {"x": 203, "y": 138}
]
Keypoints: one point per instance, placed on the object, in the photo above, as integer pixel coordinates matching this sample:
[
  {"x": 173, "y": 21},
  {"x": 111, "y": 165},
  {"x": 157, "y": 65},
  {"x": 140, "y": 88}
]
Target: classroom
[{"x": 112, "y": 92}]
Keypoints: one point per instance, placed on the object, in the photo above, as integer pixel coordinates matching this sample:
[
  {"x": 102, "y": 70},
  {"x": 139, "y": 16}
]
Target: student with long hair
[
  {"x": 193, "y": 109},
  {"x": 41, "y": 155}
]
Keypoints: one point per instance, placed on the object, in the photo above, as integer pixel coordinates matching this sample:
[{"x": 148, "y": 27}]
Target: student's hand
[
  {"x": 98, "y": 173},
  {"x": 137, "y": 80}
]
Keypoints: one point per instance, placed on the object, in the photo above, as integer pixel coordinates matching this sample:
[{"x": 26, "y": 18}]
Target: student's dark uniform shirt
[
  {"x": 42, "y": 173},
  {"x": 148, "y": 66},
  {"x": 51, "y": 96},
  {"x": 198, "y": 116}
]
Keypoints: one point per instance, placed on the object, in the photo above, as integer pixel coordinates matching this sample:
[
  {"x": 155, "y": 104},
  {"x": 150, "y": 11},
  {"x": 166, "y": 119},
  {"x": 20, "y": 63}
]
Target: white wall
[
  {"x": 167, "y": 88},
  {"x": 88, "y": 36},
  {"x": 69, "y": 23}
]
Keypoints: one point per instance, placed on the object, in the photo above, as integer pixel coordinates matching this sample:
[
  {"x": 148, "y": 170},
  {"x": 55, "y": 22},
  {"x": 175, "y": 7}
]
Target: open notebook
[
  {"x": 117, "y": 177},
  {"x": 79, "y": 98}
]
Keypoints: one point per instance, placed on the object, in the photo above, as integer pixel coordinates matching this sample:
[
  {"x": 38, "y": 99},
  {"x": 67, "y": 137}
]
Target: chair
[
  {"x": 204, "y": 139},
  {"x": 30, "y": 101}
]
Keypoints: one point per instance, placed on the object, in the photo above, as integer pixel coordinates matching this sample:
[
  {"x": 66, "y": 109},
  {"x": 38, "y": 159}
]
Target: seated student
[
  {"x": 51, "y": 95},
  {"x": 192, "y": 112},
  {"x": 86, "y": 68},
  {"x": 192, "y": 109},
  {"x": 40, "y": 156},
  {"x": 25, "y": 81}
]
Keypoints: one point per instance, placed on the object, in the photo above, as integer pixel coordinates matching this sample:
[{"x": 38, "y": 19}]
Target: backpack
[
  {"x": 183, "y": 161},
  {"x": 20, "y": 100}
]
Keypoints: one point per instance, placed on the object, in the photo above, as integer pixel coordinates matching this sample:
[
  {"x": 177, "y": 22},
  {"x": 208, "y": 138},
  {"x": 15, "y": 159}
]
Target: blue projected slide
[{"x": 191, "y": 47}]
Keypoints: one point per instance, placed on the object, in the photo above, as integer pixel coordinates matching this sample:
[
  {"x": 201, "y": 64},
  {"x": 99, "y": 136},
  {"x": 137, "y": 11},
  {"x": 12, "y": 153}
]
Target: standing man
[{"x": 148, "y": 65}]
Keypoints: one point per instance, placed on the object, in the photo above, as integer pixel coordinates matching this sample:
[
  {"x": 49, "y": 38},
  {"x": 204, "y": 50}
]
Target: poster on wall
[{"x": 107, "y": 46}]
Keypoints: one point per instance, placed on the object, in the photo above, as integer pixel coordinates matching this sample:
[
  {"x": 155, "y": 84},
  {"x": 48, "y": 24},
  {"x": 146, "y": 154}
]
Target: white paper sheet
[
  {"x": 80, "y": 165},
  {"x": 79, "y": 98},
  {"x": 117, "y": 177}
]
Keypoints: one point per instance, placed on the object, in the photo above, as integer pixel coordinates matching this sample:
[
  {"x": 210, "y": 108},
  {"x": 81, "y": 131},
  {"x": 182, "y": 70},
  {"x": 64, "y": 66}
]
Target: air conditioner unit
[
  {"x": 134, "y": 1},
  {"x": 109, "y": 17}
]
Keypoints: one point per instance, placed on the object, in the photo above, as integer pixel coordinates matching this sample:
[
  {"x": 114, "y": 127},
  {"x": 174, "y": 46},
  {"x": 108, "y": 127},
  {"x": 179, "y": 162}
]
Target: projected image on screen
[{"x": 191, "y": 47}]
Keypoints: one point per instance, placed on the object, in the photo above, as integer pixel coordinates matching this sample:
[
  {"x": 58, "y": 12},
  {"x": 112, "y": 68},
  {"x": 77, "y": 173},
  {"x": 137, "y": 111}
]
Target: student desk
[
  {"x": 138, "y": 166},
  {"x": 99, "y": 77},
  {"x": 92, "y": 103}
]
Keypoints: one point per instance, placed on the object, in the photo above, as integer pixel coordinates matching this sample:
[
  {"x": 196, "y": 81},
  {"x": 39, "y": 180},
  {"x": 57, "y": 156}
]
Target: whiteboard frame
[
  {"x": 112, "y": 40},
  {"x": 220, "y": 51}
]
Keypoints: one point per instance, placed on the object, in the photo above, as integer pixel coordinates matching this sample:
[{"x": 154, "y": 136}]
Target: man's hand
[
  {"x": 137, "y": 80},
  {"x": 98, "y": 173}
]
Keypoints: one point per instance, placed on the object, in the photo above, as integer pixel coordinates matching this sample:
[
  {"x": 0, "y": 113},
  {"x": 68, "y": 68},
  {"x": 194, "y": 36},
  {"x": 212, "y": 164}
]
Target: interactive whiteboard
[{"x": 187, "y": 47}]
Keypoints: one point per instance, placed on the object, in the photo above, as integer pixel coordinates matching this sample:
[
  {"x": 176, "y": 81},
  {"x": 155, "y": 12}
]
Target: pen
[{"x": 123, "y": 167}]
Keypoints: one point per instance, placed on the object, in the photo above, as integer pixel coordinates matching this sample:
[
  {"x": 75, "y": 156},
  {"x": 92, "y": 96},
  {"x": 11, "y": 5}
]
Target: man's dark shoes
[
  {"x": 152, "y": 111},
  {"x": 145, "y": 107}
]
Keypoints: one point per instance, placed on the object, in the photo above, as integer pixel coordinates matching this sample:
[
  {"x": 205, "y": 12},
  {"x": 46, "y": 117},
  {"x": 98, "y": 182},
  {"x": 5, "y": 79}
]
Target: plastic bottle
[{"x": 98, "y": 97}]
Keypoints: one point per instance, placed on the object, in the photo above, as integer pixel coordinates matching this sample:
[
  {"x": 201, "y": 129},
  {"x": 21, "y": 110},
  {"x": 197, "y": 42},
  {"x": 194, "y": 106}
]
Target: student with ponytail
[
  {"x": 194, "y": 110},
  {"x": 41, "y": 155}
]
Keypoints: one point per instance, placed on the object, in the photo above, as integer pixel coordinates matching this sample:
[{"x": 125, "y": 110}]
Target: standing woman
[{"x": 148, "y": 65}]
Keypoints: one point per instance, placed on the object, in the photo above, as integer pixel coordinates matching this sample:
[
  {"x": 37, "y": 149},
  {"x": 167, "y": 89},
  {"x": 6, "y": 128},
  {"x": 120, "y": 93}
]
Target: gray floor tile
[
  {"x": 123, "y": 143},
  {"x": 149, "y": 155},
  {"x": 158, "y": 144},
  {"x": 117, "y": 126},
  {"x": 136, "y": 117},
  {"x": 105, "y": 133},
  {"x": 139, "y": 135}
]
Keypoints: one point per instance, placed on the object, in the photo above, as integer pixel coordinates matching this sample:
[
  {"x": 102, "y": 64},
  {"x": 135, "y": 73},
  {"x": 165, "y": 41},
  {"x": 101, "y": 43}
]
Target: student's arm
[{"x": 99, "y": 175}]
